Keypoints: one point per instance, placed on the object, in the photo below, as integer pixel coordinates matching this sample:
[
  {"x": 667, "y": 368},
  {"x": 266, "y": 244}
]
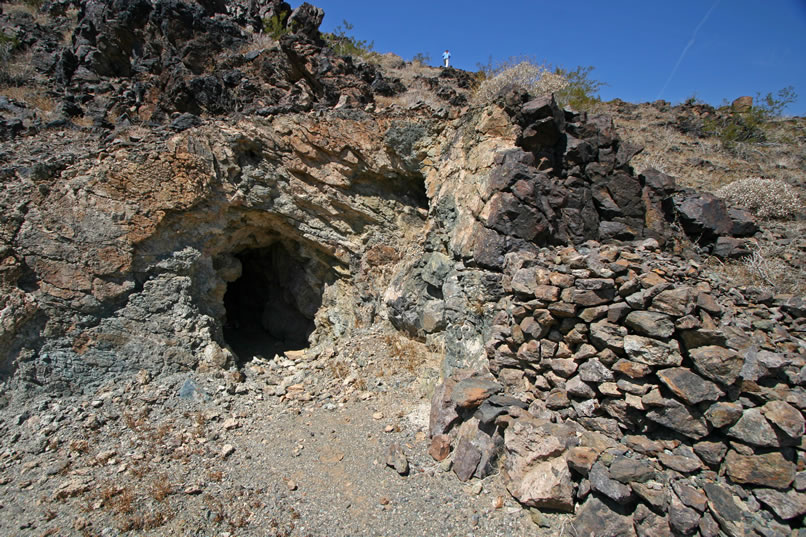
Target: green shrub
[
  {"x": 275, "y": 25},
  {"x": 766, "y": 198},
  {"x": 582, "y": 91},
  {"x": 749, "y": 125},
  {"x": 774, "y": 105},
  {"x": 348, "y": 45},
  {"x": 731, "y": 126}
]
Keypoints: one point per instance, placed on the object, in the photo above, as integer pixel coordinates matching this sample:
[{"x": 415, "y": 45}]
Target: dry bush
[
  {"x": 144, "y": 521},
  {"x": 22, "y": 6},
  {"x": 132, "y": 422},
  {"x": 389, "y": 61},
  {"x": 766, "y": 267},
  {"x": 703, "y": 162},
  {"x": 6, "y": 51},
  {"x": 18, "y": 67},
  {"x": 119, "y": 500},
  {"x": 79, "y": 446},
  {"x": 215, "y": 475},
  {"x": 30, "y": 96},
  {"x": 411, "y": 99},
  {"x": 83, "y": 121},
  {"x": 259, "y": 41},
  {"x": 535, "y": 79},
  {"x": 766, "y": 198},
  {"x": 161, "y": 488},
  {"x": 405, "y": 352},
  {"x": 339, "y": 369}
]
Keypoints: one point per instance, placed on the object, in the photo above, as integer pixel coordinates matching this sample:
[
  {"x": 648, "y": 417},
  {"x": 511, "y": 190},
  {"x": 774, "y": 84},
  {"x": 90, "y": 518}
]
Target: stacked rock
[{"x": 645, "y": 396}]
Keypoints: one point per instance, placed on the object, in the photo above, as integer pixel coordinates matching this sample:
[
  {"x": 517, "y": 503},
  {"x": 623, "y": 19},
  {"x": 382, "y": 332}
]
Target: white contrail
[{"x": 688, "y": 46}]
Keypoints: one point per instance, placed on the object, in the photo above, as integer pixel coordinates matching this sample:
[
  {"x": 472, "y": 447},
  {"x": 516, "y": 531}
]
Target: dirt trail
[{"x": 199, "y": 455}]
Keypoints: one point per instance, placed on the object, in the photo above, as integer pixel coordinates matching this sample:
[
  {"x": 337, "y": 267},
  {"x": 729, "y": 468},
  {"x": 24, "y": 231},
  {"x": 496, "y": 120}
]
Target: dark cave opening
[{"x": 271, "y": 307}]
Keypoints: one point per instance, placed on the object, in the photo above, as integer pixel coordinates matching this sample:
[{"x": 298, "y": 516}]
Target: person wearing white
[{"x": 446, "y": 58}]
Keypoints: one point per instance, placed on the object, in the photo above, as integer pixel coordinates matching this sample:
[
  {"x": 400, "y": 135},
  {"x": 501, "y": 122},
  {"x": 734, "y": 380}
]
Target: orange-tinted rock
[
  {"x": 440, "y": 447},
  {"x": 767, "y": 470}
]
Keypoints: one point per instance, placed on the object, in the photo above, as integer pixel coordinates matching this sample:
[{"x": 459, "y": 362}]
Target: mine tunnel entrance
[{"x": 271, "y": 307}]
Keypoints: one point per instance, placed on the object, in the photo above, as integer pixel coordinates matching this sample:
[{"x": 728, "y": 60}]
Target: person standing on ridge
[{"x": 446, "y": 58}]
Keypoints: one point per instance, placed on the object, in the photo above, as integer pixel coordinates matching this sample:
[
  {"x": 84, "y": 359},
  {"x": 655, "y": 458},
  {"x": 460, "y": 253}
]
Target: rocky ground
[{"x": 285, "y": 448}]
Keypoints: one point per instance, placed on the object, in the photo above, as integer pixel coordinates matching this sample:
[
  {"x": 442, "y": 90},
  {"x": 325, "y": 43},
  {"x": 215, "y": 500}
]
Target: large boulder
[{"x": 706, "y": 217}]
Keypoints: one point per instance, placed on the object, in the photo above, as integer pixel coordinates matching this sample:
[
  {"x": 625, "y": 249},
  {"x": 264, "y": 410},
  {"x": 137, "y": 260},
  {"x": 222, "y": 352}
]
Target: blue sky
[{"x": 643, "y": 49}]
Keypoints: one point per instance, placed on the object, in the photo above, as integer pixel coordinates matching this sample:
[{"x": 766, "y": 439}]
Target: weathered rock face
[
  {"x": 511, "y": 178},
  {"x": 126, "y": 261},
  {"x": 146, "y": 248}
]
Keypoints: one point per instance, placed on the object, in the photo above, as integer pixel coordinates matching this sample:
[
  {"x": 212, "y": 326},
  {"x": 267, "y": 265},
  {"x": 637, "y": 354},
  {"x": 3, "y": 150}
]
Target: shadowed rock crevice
[
  {"x": 270, "y": 307},
  {"x": 407, "y": 190}
]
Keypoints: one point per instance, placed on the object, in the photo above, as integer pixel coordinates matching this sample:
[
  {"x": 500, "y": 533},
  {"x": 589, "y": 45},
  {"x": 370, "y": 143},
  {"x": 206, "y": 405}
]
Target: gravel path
[{"x": 198, "y": 455}]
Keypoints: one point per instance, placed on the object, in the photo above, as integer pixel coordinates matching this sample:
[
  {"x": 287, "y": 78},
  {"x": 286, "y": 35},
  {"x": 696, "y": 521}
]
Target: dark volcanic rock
[
  {"x": 702, "y": 215},
  {"x": 786, "y": 505},
  {"x": 688, "y": 386},
  {"x": 630, "y": 470},
  {"x": 602, "y": 482},
  {"x": 680, "y": 418},
  {"x": 785, "y": 417},
  {"x": 722, "y": 414},
  {"x": 729, "y": 513},
  {"x": 651, "y": 324},
  {"x": 683, "y": 520},
  {"x": 717, "y": 363},
  {"x": 596, "y": 518},
  {"x": 753, "y": 428}
]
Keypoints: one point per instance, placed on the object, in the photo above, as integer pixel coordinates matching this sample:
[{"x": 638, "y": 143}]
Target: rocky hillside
[{"x": 188, "y": 200}]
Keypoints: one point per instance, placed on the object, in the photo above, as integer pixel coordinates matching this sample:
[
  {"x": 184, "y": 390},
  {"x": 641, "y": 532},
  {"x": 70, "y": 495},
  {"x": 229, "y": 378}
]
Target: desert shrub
[
  {"x": 766, "y": 267},
  {"x": 766, "y": 198},
  {"x": 7, "y": 46},
  {"x": 348, "y": 45},
  {"x": 749, "y": 125},
  {"x": 571, "y": 87},
  {"x": 14, "y": 67},
  {"x": 733, "y": 127},
  {"x": 275, "y": 25},
  {"x": 774, "y": 105},
  {"x": 535, "y": 79},
  {"x": 421, "y": 58},
  {"x": 30, "y": 7},
  {"x": 581, "y": 90}
]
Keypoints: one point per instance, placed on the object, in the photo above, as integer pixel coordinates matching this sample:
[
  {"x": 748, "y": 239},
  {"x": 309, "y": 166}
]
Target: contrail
[{"x": 688, "y": 46}]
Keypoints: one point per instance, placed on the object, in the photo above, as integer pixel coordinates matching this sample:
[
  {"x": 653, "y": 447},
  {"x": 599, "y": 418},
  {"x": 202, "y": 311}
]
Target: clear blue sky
[{"x": 643, "y": 49}]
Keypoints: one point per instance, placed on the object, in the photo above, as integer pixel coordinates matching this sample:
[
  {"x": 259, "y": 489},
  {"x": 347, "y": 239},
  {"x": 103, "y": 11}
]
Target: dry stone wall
[{"x": 627, "y": 387}]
